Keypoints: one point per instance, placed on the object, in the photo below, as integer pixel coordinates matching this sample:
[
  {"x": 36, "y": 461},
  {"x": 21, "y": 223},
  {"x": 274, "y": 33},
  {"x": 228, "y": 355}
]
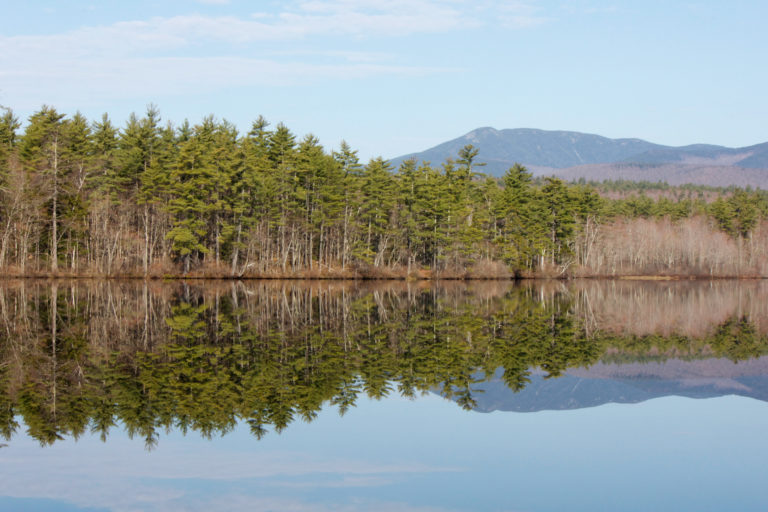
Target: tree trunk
[
  {"x": 54, "y": 220},
  {"x": 146, "y": 240},
  {"x": 236, "y": 250}
]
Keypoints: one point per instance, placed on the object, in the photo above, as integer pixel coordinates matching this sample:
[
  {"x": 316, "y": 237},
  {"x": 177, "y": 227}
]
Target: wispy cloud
[
  {"x": 519, "y": 14},
  {"x": 94, "y": 81},
  {"x": 384, "y": 17},
  {"x": 199, "y": 53},
  {"x": 121, "y": 477},
  {"x": 364, "y": 18},
  {"x": 602, "y": 9}
]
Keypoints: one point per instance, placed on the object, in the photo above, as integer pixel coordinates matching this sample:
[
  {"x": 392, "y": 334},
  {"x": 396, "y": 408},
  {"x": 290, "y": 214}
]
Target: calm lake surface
[{"x": 379, "y": 396}]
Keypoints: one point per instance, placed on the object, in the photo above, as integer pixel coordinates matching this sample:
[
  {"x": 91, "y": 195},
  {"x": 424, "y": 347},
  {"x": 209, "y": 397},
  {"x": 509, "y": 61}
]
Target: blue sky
[{"x": 397, "y": 76}]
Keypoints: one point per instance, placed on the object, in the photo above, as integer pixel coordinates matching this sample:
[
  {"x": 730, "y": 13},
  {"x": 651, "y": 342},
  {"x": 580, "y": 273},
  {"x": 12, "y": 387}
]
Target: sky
[{"x": 398, "y": 76}]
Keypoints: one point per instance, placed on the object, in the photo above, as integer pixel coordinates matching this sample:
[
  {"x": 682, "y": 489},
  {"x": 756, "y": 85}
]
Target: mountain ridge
[{"x": 574, "y": 155}]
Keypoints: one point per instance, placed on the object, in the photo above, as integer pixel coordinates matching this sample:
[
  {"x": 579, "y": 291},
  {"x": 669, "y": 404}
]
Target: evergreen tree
[
  {"x": 281, "y": 190},
  {"x": 138, "y": 142},
  {"x": 78, "y": 159},
  {"x": 191, "y": 184},
  {"x": 227, "y": 163},
  {"x": 11, "y": 190},
  {"x": 375, "y": 213},
  {"x": 40, "y": 152},
  {"x": 559, "y": 218},
  {"x": 350, "y": 167},
  {"x": 406, "y": 180},
  {"x": 253, "y": 202},
  {"x": 515, "y": 213},
  {"x": 9, "y": 124},
  {"x": 105, "y": 145}
]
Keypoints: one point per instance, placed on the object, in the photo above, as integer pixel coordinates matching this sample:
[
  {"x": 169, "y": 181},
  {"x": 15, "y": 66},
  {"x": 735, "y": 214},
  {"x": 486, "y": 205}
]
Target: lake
[{"x": 377, "y": 396}]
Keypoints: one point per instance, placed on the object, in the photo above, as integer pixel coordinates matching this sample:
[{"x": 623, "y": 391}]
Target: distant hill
[
  {"x": 671, "y": 173},
  {"x": 574, "y": 155}
]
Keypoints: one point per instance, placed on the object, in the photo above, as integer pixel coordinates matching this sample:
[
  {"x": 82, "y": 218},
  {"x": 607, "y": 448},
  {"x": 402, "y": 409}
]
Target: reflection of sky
[{"x": 422, "y": 455}]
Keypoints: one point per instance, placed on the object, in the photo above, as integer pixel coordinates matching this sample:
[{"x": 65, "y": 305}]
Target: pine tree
[
  {"x": 406, "y": 182},
  {"x": 281, "y": 190},
  {"x": 78, "y": 160},
  {"x": 252, "y": 199},
  {"x": 514, "y": 212},
  {"x": 190, "y": 186},
  {"x": 12, "y": 189},
  {"x": 559, "y": 218},
  {"x": 138, "y": 142},
  {"x": 105, "y": 144},
  {"x": 467, "y": 229},
  {"x": 350, "y": 168},
  {"x": 375, "y": 213},
  {"x": 9, "y": 124},
  {"x": 40, "y": 153},
  {"x": 223, "y": 200},
  {"x": 432, "y": 206}
]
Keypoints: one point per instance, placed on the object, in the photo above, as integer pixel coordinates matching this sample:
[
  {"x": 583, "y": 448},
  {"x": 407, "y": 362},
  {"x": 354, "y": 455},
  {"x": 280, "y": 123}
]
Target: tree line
[{"x": 153, "y": 199}]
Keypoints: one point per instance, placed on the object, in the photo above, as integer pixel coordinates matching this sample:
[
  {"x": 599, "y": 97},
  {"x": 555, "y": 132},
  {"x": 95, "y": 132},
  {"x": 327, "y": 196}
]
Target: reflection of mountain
[
  {"x": 90, "y": 355},
  {"x": 627, "y": 383}
]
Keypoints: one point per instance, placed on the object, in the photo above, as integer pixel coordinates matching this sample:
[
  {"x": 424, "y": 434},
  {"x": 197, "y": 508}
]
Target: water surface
[{"x": 383, "y": 396}]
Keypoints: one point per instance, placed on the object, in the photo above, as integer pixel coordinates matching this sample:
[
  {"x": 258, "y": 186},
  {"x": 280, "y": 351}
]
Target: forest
[{"x": 151, "y": 199}]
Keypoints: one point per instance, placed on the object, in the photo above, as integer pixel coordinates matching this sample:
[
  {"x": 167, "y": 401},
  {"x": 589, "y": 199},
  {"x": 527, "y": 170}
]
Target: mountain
[
  {"x": 627, "y": 383},
  {"x": 536, "y": 148},
  {"x": 574, "y": 155}
]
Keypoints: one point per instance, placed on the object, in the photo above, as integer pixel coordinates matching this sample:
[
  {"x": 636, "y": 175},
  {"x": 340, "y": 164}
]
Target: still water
[{"x": 320, "y": 396}]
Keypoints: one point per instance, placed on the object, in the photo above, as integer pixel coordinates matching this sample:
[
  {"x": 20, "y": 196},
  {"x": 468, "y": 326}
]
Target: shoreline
[{"x": 411, "y": 278}]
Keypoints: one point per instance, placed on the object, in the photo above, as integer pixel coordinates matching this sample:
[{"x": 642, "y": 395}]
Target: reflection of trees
[
  {"x": 737, "y": 339},
  {"x": 85, "y": 356}
]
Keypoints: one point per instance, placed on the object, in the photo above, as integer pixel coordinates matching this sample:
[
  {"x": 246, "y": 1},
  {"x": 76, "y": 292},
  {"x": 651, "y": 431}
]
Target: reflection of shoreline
[
  {"x": 628, "y": 307},
  {"x": 664, "y": 308},
  {"x": 627, "y": 383},
  {"x": 78, "y": 355}
]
